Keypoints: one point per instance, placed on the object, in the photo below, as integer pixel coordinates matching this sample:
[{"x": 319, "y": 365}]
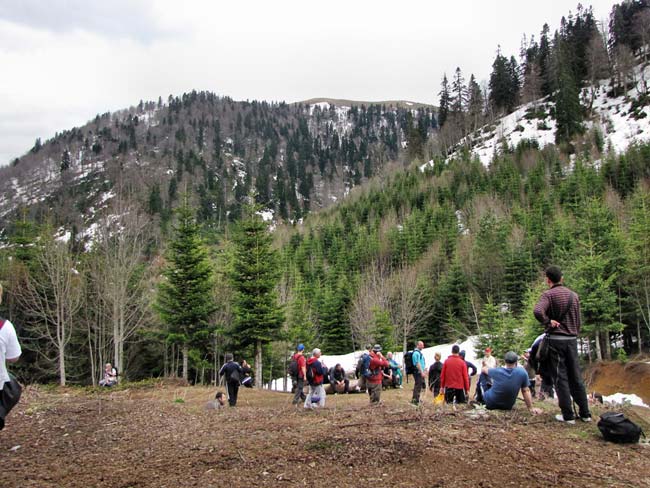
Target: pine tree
[
  {"x": 184, "y": 302},
  {"x": 445, "y": 102},
  {"x": 475, "y": 102},
  {"x": 459, "y": 91},
  {"x": 254, "y": 275},
  {"x": 568, "y": 111}
]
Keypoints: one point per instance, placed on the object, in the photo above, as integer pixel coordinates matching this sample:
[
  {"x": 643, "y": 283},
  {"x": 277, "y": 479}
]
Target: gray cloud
[{"x": 128, "y": 19}]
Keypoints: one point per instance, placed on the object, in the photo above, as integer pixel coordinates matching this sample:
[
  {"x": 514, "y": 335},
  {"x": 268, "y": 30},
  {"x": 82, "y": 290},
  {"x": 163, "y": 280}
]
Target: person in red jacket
[
  {"x": 454, "y": 381},
  {"x": 377, "y": 364},
  {"x": 299, "y": 386}
]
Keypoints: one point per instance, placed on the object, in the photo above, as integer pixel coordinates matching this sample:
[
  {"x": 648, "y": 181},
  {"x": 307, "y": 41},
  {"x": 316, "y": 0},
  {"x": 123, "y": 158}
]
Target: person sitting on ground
[
  {"x": 454, "y": 381},
  {"x": 506, "y": 383},
  {"x": 110, "y": 376},
  {"x": 218, "y": 402},
  {"x": 247, "y": 380},
  {"x": 373, "y": 383},
  {"x": 396, "y": 371},
  {"x": 434, "y": 374},
  {"x": 471, "y": 369},
  {"x": 340, "y": 383},
  {"x": 316, "y": 390}
]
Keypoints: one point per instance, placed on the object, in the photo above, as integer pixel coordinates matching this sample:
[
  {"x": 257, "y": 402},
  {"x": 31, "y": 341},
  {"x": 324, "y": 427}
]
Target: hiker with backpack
[
  {"x": 506, "y": 383},
  {"x": 10, "y": 351},
  {"x": 315, "y": 373},
  {"x": 418, "y": 372},
  {"x": 234, "y": 374},
  {"x": 546, "y": 382},
  {"x": 374, "y": 374},
  {"x": 558, "y": 310},
  {"x": 298, "y": 373},
  {"x": 454, "y": 381},
  {"x": 363, "y": 365}
]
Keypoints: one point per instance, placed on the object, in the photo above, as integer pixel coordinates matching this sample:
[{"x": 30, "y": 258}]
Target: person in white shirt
[
  {"x": 9, "y": 351},
  {"x": 9, "y": 347}
]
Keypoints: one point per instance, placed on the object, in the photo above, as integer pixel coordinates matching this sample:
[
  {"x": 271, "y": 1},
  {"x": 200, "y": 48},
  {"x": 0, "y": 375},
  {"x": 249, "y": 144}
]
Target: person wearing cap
[
  {"x": 489, "y": 359},
  {"x": 471, "y": 369},
  {"x": 418, "y": 375},
  {"x": 373, "y": 384},
  {"x": 454, "y": 381},
  {"x": 506, "y": 383},
  {"x": 316, "y": 390},
  {"x": 558, "y": 310},
  {"x": 234, "y": 374},
  {"x": 299, "y": 381}
]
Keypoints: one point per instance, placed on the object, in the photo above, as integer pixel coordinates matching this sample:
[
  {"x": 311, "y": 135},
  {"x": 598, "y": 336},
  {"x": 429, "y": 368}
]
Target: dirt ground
[
  {"x": 613, "y": 377},
  {"x": 159, "y": 435}
]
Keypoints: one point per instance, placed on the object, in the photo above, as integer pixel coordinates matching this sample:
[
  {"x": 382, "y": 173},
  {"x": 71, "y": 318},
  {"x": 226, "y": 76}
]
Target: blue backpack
[{"x": 365, "y": 366}]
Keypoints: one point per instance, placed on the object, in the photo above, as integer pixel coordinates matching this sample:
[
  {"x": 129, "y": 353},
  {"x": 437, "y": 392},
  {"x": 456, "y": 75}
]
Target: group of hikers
[{"x": 553, "y": 357}]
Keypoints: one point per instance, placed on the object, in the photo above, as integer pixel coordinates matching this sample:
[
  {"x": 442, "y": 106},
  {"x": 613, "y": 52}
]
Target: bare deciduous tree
[
  {"x": 373, "y": 294},
  {"x": 120, "y": 276},
  {"x": 597, "y": 63},
  {"x": 52, "y": 296},
  {"x": 407, "y": 303}
]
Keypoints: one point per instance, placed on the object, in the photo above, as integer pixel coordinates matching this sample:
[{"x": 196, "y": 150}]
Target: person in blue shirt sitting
[{"x": 506, "y": 383}]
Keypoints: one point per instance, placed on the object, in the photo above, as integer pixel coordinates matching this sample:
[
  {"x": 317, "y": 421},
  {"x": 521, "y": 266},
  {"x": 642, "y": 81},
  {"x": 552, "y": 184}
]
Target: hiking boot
[
  {"x": 560, "y": 418},
  {"x": 586, "y": 419}
]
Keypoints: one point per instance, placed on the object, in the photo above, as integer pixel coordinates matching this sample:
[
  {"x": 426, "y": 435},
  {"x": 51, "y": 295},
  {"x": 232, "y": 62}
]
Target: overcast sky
[{"x": 64, "y": 61}]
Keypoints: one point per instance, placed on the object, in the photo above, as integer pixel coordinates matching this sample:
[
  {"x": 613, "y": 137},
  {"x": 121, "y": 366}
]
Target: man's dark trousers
[
  {"x": 564, "y": 369},
  {"x": 233, "y": 390},
  {"x": 419, "y": 385},
  {"x": 299, "y": 393}
]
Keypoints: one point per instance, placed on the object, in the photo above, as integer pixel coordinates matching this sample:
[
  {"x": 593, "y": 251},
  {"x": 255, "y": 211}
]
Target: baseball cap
[
  {"x": 315, "y": 352},
  {"x": 511, "y": 357},
  {"x": 462, "y": 354},
  {"x": 301, "y": 347},
  {"x": 377, "y": 348}
]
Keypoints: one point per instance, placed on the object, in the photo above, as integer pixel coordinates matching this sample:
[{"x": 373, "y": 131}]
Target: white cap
[{"x": 315, "y": 352}]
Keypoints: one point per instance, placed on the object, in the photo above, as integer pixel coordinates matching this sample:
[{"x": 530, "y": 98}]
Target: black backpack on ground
[
  {"x": 615, "y": 427},
  {"x": 408, "y": 363}
]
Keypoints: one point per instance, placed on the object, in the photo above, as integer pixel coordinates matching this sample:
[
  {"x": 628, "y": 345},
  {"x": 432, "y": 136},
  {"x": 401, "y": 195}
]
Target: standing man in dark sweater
[
  {"x": 558, "y": 310},
  {"x": 234, "y": 373}
]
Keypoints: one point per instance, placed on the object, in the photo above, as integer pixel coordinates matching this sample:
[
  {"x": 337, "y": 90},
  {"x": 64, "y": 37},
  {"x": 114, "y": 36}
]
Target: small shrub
[
  {"x": 621, "y": 355},
  {"x": 179, "y": 400},
  {"x": 519, "y": 128},
  {"x": 543, "y": 125}
]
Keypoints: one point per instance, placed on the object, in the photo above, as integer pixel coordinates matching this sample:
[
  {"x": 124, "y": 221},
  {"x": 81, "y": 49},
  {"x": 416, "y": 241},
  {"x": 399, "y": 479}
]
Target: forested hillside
[{"x": 165, "y": 235}]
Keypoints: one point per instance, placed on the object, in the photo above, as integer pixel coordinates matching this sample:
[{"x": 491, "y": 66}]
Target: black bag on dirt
[
  {"x": 408, "y": 363},
  {"x": 615, "y": 427}
]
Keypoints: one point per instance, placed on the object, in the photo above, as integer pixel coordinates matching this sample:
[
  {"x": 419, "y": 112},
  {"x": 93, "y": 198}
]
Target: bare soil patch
[
  {"x": 161, "y": 436},
  {"x": 613, "y": 377}
]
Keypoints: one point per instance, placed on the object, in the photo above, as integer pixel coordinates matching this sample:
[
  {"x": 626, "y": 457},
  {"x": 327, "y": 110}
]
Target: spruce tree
[
  {"x": 445, "y": 102},
  {"x": 185, "y": 301},
  {"x": 254, "y": 275}
]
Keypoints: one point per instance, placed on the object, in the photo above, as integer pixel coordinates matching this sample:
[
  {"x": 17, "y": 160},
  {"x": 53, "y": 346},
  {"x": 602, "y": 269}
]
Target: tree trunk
[
  {"x": 185, "y": 361},
  {"x": 62, "y": 378},
  {"x": 258, "y": 364},
  {"x": 638, "y": 335},
  {"x": 599, "y": 355},
  {"x": 608, "y": 345}
]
